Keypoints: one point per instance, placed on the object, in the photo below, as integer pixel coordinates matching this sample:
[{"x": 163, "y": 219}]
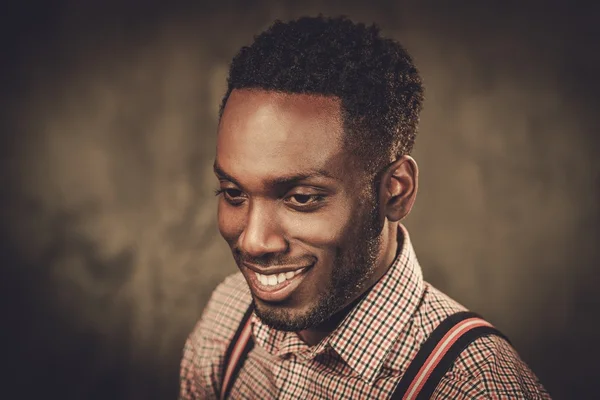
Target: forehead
[{"x": 264, "y": 134}]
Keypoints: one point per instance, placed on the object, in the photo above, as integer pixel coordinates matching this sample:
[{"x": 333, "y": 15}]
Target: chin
[{"x": 285, "y": 318}]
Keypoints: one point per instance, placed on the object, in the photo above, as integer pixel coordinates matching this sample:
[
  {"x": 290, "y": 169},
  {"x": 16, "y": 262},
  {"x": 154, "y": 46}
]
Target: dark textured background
[{"x": 110, "y": 248}]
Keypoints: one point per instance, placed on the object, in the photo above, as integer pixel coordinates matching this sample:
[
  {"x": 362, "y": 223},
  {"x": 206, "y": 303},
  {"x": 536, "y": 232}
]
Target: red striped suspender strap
[
  {"x": 236, "y": 353},
  {"x": 439, "y": 352}
]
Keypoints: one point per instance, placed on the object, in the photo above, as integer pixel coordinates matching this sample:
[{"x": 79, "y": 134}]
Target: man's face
[{"x": 297, "y": 211}]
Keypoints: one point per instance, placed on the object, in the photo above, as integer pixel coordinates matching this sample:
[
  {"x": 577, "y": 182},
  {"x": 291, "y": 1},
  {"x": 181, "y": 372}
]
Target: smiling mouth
[
  {"x": 278, "y": 286},
  {"x": 275, "y": 279}
]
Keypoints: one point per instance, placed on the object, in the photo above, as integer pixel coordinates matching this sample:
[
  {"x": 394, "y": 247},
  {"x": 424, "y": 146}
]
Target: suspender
[
  {"x": 434, "y": 359},
  {"x": 236, "y": 353},
  {"x": 439, "y": 352}
]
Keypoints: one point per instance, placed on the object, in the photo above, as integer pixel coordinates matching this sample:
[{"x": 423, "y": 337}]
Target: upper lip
[{"x": 278, "y": 269}]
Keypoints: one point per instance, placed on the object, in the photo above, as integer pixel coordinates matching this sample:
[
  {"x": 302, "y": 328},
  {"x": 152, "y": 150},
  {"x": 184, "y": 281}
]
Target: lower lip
[{"x": 277, "y": 292}]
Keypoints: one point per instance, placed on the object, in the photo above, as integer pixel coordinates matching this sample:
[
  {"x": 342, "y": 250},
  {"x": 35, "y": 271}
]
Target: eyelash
[{"x": 317, "y": 198}]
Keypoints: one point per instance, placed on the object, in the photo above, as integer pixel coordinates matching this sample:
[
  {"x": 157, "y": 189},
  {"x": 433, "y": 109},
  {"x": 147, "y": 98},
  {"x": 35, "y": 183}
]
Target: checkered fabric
[{"x": 364, "y": 358}]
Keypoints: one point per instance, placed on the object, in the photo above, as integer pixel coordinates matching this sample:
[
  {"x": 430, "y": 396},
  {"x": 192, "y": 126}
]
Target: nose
[{"x": 262, "y": 234}]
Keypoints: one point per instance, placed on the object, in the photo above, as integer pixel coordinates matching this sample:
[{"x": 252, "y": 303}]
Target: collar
[{"x": 366, "y": 335}]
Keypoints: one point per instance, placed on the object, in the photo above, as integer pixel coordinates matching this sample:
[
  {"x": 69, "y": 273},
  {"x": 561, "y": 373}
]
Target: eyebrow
[{"x": 285, "y": 180}]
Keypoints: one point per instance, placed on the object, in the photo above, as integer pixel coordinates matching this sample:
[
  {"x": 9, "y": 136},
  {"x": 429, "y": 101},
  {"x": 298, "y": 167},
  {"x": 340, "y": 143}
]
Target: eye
[
  {"x": 232, "y": 196},
  {"x": 305, "y": 202},
  {"x": 302, "y": 198}
]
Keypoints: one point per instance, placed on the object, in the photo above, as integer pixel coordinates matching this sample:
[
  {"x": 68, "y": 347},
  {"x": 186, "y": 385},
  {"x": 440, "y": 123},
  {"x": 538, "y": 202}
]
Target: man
[{"x": 313, "y": 163}]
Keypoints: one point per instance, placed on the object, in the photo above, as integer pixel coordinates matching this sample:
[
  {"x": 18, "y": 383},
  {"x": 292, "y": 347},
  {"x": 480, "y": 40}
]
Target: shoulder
[
  {"x": 491, "y": 368},
  {"x": 434, "y": 307},
  {"x": 206, "y": 345},
  {"x": 488, "y": 368},
  {"x": 225, "y": 309}
]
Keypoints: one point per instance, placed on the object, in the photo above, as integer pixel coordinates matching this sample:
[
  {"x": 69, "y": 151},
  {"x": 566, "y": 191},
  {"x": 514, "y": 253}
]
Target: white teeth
[
  {"x": 274, "y": 279},
  {"x": 280, "y": 277},
  {"x": 262, "y": 279}
]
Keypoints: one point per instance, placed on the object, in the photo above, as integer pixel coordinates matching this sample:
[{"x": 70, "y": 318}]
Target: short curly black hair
[{"x": 380, "y": 89}]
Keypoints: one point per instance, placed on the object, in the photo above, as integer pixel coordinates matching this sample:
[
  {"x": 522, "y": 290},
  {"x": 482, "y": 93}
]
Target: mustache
[{"x": 271, "y": 260}]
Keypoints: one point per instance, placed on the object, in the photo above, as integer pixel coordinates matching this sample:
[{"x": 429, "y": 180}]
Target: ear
[{"x": 398, "y": 188}]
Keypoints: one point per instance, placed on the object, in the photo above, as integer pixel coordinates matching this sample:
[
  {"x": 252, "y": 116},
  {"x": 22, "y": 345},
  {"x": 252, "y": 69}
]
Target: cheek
[
  {"x": 230, "y": 221},
  {"x": 327, "y": 228}
]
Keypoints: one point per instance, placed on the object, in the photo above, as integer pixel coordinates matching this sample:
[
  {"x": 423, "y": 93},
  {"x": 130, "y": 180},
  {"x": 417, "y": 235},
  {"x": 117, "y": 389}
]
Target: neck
[{"x": 387, "y": 254}]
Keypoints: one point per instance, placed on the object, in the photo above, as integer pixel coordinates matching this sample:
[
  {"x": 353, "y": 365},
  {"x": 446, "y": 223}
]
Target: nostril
[{"x": 257, "y": 243}]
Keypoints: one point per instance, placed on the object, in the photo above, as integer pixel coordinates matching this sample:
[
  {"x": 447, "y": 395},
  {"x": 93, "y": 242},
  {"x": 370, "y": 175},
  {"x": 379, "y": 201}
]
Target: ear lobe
[{"x": 399, "y": 188}]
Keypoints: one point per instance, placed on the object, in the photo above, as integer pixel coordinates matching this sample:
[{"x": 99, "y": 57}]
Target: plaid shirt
[{"x": 364, "y": 358}]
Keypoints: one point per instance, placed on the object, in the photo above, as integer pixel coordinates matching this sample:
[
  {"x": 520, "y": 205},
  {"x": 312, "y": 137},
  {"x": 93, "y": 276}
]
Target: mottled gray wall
[{"x": 110, "y": 246}]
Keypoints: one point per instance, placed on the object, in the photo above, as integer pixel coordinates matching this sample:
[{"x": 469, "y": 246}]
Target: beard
[{"x": 353, "y": 267}]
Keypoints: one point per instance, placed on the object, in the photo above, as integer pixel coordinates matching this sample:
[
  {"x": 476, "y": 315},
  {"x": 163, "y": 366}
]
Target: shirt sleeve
[{"x": 490, "y": 368}]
